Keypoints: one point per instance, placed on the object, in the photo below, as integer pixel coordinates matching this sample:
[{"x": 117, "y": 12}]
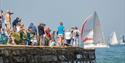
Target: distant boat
[
  {"x": 122, "y": 41},
  {"x": 91, "y": 33},
  {"x": 114, "y": 40}
]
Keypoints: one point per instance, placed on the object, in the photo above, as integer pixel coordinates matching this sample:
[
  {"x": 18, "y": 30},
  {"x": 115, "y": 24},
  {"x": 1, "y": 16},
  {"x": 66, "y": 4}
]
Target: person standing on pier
[
  {"x": 41, "y": 34},
  {"x": 33, "y": 31},
  {"x": 68, "y": 37},
  {"x": 47, "y": 36},
  {"x": 8, "y": 20},
  {"x": 33, "y": 28},
  {"x": 60, "y": 33},
  {"x": 15, "y": 22},
  {"x": 75, "y": 37}
]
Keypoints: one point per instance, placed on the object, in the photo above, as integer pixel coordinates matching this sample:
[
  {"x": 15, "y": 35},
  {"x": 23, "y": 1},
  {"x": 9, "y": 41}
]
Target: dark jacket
[
  {"x": 41, "y": 30},
  {"x": 16, "y": 21}
]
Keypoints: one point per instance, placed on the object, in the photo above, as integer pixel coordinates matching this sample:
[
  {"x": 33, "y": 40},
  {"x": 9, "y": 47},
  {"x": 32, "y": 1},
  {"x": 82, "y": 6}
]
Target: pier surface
[{"x": 36, "y": 54}]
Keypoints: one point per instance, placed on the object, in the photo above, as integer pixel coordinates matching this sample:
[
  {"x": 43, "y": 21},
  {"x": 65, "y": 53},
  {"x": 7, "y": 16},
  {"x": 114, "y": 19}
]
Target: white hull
[
  {"x": 89, "y": 46},
  {"x": 122, "y": 43},
  {"x": 96, "y": 46},
  {"x": 102, "y": 46},
  {"x": 119, "y": 44},
  {"x": 114, "y": 43}
]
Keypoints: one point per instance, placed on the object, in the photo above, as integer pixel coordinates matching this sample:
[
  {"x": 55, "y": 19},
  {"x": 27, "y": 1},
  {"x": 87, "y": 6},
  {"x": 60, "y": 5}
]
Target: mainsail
[{"x": 98, "y": 36}]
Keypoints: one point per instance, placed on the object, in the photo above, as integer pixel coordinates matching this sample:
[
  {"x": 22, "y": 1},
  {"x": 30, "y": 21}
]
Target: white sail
[{"x": 114, "y": 40}]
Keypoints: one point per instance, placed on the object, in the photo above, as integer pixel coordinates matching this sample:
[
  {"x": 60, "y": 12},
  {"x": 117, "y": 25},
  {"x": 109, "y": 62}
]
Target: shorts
[{"x": 60, "y": 35}]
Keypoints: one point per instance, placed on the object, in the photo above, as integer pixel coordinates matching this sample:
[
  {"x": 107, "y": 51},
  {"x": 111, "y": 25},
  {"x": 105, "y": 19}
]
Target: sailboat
[
  {"x": 123, "y": 38},
  {"x": 122, "y": 41},
  {"x": 91, "y": 33},
  {"x": 114, "y": 40}
]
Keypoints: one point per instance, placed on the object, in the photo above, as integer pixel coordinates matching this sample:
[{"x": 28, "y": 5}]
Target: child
[{"x": 52, "y": 43}]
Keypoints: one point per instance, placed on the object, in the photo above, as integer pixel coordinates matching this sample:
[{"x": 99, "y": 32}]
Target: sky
[{"x": 71, "y": 12}]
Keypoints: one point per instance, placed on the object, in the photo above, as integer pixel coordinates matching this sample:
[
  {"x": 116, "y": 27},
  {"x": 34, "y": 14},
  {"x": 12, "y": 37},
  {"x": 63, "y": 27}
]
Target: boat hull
[{"x": 96, "y": 46}]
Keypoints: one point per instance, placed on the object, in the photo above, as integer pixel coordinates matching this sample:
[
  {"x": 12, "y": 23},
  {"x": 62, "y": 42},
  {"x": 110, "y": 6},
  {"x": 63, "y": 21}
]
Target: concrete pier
[{"x": 23, "y": 54}]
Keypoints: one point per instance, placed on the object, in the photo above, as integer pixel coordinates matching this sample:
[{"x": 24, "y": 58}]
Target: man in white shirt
[{"x": 68, "y": 37}]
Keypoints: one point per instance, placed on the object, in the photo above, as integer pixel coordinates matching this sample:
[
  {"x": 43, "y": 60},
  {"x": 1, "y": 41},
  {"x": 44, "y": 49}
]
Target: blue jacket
[{"x": 33, "y": 28}]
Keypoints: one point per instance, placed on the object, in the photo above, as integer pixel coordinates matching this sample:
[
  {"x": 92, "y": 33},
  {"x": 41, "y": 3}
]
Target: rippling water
[{"x": 111, "y": 55}]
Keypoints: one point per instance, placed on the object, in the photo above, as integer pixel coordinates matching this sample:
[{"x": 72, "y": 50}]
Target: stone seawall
[{"x": 9, "y": 54}]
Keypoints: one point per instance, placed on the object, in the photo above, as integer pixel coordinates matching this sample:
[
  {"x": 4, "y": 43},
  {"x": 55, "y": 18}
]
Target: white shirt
[
  {"x": 17, "y": 28},
  {"x": 68, "y": 35}
]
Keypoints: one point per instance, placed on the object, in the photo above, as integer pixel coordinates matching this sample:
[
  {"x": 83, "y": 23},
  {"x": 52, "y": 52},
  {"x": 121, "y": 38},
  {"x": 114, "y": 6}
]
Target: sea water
[{"x": 114, "y": 54}]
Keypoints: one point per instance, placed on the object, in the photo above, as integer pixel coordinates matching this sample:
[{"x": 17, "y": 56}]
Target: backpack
[{"x": 77, "y": 33}]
